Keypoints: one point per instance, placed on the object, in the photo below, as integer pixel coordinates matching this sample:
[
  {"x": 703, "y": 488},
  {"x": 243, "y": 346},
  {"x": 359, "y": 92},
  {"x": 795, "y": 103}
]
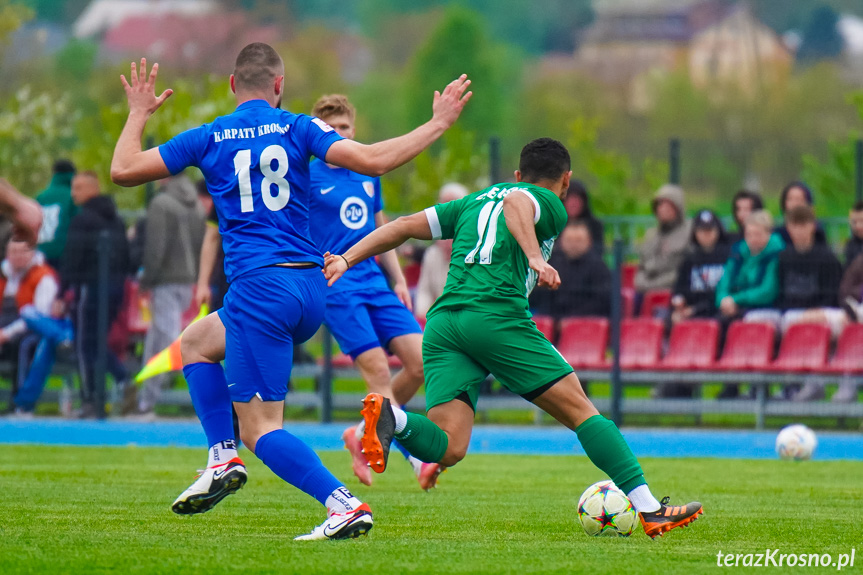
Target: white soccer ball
[
  {"x": 796, "y": 442},
  {"x": 604, "y": 510}
]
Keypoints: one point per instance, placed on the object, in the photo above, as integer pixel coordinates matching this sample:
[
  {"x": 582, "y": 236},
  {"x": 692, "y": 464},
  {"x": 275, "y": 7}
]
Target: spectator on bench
[
  {"x": 854, "y": 245},
  {"x": 664, "y": 246},
  {"x": 585, "y": 280},
  {"x": 172, "y": 249},
  {"x": 80, "y": 277},
  {"x": 694, "y": 293},
  {"x": 751, "y": 277},
  {"x": 793, "y": 195},
  {"x": 743, "y": 204},
  {"x": 577, "y": 205},
  {"x": 26, "y": 281}
]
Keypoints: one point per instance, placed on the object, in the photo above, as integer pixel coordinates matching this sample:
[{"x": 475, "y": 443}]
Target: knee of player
[
  {"x": 414, "y": 370},
  {"x": 453, "y": 455}
]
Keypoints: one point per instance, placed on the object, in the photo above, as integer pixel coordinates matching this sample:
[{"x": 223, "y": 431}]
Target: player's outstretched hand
[
  {"x": 334, "y": 267},
  {"x": 141, "y": 90},
  {"x": 448, "y": 105},
  {"x": 548, "y": 276}
]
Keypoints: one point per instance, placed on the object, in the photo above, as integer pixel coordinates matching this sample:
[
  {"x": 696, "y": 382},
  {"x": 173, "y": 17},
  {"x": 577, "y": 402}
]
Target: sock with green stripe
[
  {"x": 420, "y": 436},
  {"x": 607, "y": 449}
]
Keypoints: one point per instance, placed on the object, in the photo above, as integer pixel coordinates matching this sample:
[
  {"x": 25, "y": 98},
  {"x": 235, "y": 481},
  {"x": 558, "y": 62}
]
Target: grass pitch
[{"x": 99, "y": 510}]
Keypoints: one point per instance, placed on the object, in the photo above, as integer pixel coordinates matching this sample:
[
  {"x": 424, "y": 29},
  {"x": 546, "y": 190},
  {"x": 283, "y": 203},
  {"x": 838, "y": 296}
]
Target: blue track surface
[{"x": 485, "y": 439}]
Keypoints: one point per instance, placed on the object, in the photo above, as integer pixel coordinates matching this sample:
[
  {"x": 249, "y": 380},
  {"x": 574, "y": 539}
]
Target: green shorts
[{"x": 461, "y": 348}]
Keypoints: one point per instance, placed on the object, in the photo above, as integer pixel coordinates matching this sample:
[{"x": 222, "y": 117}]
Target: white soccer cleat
[
  {"x": 213, "y": 485},
  {"x": 348, "y": 525}
]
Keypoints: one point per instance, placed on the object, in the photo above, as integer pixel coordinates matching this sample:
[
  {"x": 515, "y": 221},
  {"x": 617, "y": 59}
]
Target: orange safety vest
[{"x": 29, "y": 283}]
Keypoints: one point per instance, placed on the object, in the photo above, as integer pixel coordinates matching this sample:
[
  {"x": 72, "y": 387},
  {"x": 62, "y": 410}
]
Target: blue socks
[
  {"x": 211, "y": 399},
  {"x": 295, "y": 462}
]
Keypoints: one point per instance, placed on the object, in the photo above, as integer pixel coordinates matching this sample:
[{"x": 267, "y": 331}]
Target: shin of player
[{"x": 502, "y": 237}]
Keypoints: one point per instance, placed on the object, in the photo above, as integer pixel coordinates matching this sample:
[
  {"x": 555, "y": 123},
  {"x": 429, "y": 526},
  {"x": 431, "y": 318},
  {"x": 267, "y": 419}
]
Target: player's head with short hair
[
  {"x": 545, "y": 161},
  {"x": 85, "y": 187},
  {"x": 337, "y": 111},
  {"x": 259, "y": 69}
]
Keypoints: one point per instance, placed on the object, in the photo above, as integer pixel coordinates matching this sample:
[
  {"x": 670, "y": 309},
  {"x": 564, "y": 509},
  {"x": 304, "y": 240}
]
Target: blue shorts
[
  {"x": 265, "y": 312},
  {"x": 363, "y": 320}
]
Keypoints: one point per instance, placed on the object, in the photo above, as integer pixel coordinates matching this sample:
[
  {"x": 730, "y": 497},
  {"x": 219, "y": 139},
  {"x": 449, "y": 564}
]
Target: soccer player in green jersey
[{"x": 502, "y": 237}]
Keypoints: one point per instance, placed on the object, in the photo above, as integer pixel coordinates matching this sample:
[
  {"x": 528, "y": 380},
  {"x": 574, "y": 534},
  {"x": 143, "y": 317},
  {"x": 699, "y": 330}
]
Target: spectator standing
[
  {"x": 26, "y": 281},
  {"x": 793, "y": 195},
  {"x": 577, "y": 205},
  {"x": 664, "y": 246},
  {"x": 172, "y": 248},
  {"x": 585, "y": 288},
  {"x": 58, "y": 209},
  {"x": 694, "y": 293},
  {"x": 436, "y": 258},
  {"x": 744, "y": 203},
  {"x": 854, "y": 245},
  {"x": 80, "y": 275},
  {"x": 751, "y": 277}
]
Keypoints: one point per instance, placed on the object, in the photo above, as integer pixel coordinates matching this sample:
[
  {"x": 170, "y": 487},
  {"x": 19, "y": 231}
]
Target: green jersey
[{"x": 488, "y": 270}]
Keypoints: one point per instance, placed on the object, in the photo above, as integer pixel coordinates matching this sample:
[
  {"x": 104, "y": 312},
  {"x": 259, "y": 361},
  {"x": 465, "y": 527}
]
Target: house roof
[
  {"x": 102, "y": 15},
  {"x": 670, "y": 20}
]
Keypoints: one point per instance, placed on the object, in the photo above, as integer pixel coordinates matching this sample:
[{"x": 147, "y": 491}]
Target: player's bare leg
[{"x": 606, "y": 448}]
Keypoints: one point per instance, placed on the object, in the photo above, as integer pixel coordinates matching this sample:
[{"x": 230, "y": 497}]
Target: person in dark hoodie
[
  {"x": 854, "y": 245},
  {"x": 172, "y": 249},
  {"x": 793, "y": 195},
  {"x": 694, "y": 293},
  {"x": 585, "y": 281},
  {"x": 58, "y": 209},
  {"x": 577, "y": 205},
  {"x": 80, "y": 276}
]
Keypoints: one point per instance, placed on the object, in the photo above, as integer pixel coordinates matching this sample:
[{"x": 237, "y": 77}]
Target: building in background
[{"x": 715, "y": 42}]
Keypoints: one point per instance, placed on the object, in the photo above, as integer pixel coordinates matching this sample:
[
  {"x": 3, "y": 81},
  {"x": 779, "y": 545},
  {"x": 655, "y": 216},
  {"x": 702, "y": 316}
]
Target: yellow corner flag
[{"x": 169, "y": 359}]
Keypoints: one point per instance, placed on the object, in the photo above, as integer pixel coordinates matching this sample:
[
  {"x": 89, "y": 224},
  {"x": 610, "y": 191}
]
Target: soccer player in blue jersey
[
  {"x": 256, "y": 165},
  {"x": 364, "y": 315}
]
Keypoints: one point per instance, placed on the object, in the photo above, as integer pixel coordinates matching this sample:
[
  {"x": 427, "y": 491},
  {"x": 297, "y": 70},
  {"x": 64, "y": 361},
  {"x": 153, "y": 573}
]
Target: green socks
[
  {"x": 423, "y": 439},
  {"x": 606, "y": 448}
]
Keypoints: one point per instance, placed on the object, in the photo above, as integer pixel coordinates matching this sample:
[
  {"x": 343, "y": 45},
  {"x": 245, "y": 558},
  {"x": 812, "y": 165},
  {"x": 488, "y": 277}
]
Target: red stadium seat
[
  {"x": 627, "y": 276},
  {"x": 545, "y": 324},
  {"x": 138, "y": 309},
  {"x": 804, "y": 348},
  {"x": 640, "y": 343},
  {"x": 394, "y": 362},
  {"x": 655, "y": 301},
  {"x": 692, "y": 345},
  {"x": 627, "y": 296},
  {"x": 583, "y": 341},
  {"x": 342, "y": 360},
  {"x": 849, "y": 351},
  {"x": 421, "y": 320},
  {"x": 748, "y": 346}
]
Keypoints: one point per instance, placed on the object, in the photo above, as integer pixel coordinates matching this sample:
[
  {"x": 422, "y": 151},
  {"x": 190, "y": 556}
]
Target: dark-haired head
[
  {"x": 545, "y": 162},
  {"x": 744, "y": 203},
  {"x": 64, "y": 166},
  {"x": 576, "y": 202},
  {"x": 804, "y": 192},
  {"x": 259, "y": 70}
]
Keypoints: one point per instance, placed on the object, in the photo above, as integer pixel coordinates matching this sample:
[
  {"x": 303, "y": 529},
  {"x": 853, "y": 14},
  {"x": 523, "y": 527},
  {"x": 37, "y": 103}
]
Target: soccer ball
[
  {"x": 604, "y": 510},
  {"x": 796, "y": 442}
]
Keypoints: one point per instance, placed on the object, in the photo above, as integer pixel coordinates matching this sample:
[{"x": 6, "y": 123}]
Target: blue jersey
[
  {"x": 256, "y": 164},
  {"x": 343, "y": 206}
]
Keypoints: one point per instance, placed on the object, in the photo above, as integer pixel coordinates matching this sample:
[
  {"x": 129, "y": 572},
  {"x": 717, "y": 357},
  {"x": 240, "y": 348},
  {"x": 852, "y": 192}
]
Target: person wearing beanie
[{"x": 664, "y": 246}]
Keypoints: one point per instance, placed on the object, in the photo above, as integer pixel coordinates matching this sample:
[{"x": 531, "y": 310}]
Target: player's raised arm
[
  {"x": 131, "y": 166},
  {"x": 25, "y": 213},
  {"x": 383, "y": 239},
  {"x": 382, "y": 157},
  {"x": 519, "y": 212}
]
